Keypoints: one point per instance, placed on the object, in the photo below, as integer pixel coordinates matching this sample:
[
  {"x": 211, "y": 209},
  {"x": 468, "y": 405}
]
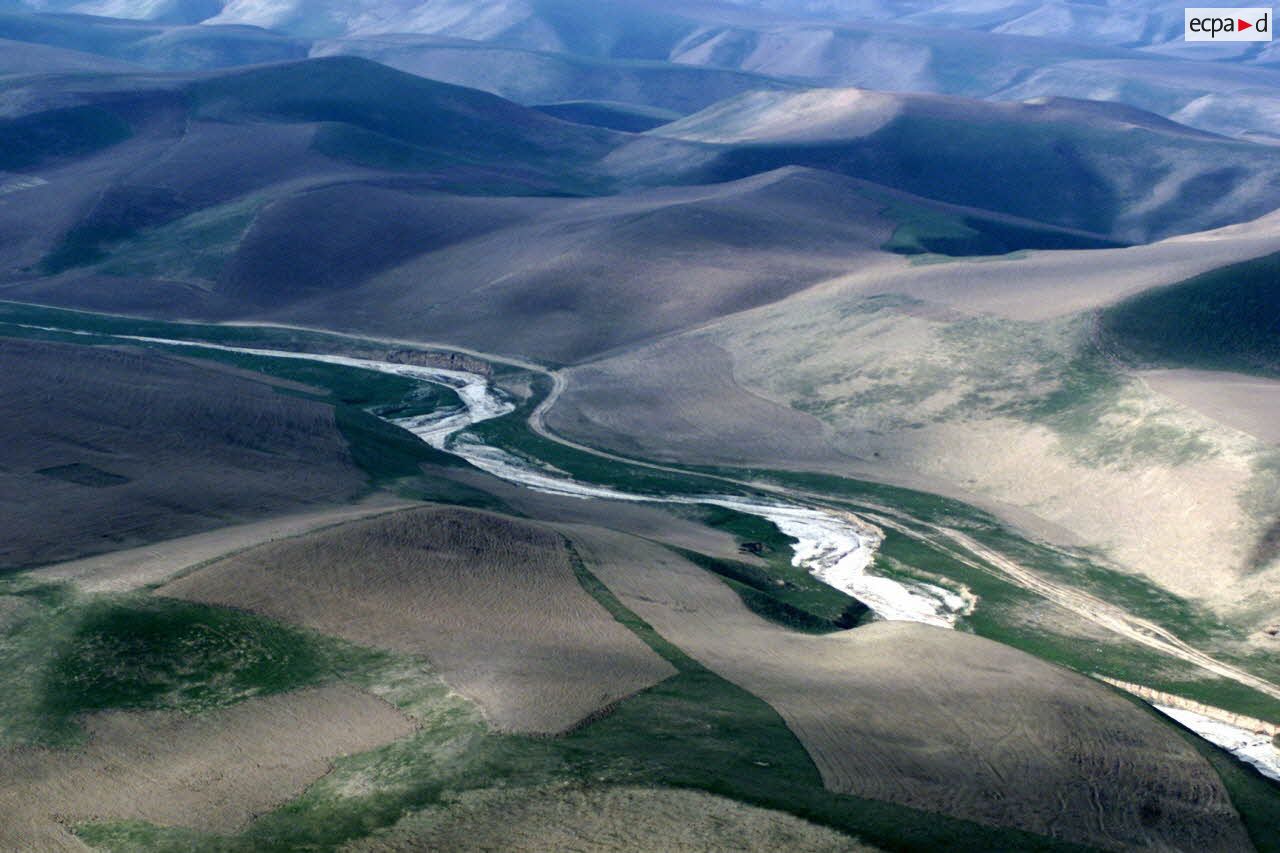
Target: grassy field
[
  {"x": 922, "y": 231},
  {"x": 194, "y": 248}
]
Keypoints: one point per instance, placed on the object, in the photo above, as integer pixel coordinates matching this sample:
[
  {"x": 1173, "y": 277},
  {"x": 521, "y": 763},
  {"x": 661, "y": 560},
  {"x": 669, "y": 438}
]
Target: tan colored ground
[
  {"x": 212, "y": 772},
  {"x": 656, "y": 404},
  {"x": 1250, "y": 404},
  {"x": 603, "y": 820},
  {"x": 922, "y": 395},
  {"x": 134, "y": 568},
  {"x": 1049, "y": 284},
  {"x": 939, "y": 720},
  {"x": 492, "y": 602}
]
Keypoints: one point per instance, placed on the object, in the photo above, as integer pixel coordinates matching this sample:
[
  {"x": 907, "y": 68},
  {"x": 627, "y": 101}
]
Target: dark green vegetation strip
[
  {"x": 1225, "y": 319},
  {"x": 797, "y": 598},
  {"x": 31, "y": 140},
  {"x": 772, "y": 597},
  {"x": 263, "y": 337}
]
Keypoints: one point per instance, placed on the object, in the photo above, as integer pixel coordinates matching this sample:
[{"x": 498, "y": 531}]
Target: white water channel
[
  {"x": 836, "y": 547},
  {"x": 1250, "y": 747}
]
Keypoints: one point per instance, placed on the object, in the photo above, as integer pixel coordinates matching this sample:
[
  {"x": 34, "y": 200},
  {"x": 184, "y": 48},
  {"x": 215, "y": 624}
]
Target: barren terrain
[
  {"x": 1250, "y": 404},
  {"x": 105, "y": 449},
  {"x": 603, "y": 820},
  {"x": 492, "y": 602},
  {"x": 133, "y": 568},
  {"x": 213, "y": 772},
  {"x": 939, "y": 720}
]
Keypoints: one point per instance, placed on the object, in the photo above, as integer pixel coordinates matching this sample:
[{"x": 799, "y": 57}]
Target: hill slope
[{"x": 1101, "y": 168}]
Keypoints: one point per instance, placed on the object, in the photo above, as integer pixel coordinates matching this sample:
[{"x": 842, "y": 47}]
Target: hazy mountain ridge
[{"x": 540, "y": 51}]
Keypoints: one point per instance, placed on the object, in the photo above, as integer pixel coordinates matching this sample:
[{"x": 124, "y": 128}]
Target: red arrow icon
[{"x": 1244, "y": 25}]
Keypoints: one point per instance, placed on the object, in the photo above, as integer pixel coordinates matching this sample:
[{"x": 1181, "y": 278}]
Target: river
[{"x": 836, "y": 547}]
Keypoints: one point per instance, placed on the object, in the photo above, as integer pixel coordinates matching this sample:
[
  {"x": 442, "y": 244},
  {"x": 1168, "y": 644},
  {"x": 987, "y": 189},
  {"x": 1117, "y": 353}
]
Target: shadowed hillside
[{"x": 1100, "y": 168}]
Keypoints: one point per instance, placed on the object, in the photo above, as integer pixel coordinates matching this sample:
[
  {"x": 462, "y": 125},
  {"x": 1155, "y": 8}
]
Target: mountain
[
  {"x": 206, "y": 190},
  {"x": 535, "y": 77},
  {"x": 686, "y": 56},
  {"x": 1101, "y": 168}
]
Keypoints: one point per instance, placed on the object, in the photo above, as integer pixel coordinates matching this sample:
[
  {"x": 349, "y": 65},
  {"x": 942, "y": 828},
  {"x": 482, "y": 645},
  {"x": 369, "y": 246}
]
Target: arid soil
[
  {"x": 212, "y": 772},
  {"x": 133, "y": 568},
  {"x": 102, "y": 449},
  {"x": 939, "y": 720},
  {"x": 1250, "y": 404},
  {"x": 603, "y": 820},
  {"x": 492, "y": 602},
  {"x": 935, "y": 395},
  {"x": 605, "y": 404}
]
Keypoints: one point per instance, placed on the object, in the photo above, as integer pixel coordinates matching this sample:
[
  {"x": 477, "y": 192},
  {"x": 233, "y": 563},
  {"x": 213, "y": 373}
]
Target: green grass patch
[
  {"x": 194, "y": 248},
  {"x": 922, "y": 230},
  {"x": 810, "y": 606},
  {"x": 164, "y": 653},
  {"x": 384, "y": 451},
  {"x": 68, "y": 654}
]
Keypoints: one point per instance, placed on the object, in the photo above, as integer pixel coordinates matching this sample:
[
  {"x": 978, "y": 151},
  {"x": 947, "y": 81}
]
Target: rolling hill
[
  {"x": 1101, "y": 168},
  {"x": 785, "y": 323},
  {"x": 109, "y": 159}
]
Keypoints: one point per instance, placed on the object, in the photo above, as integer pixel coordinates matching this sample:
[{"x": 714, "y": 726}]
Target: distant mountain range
[{"x": 683, "y": 57}]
